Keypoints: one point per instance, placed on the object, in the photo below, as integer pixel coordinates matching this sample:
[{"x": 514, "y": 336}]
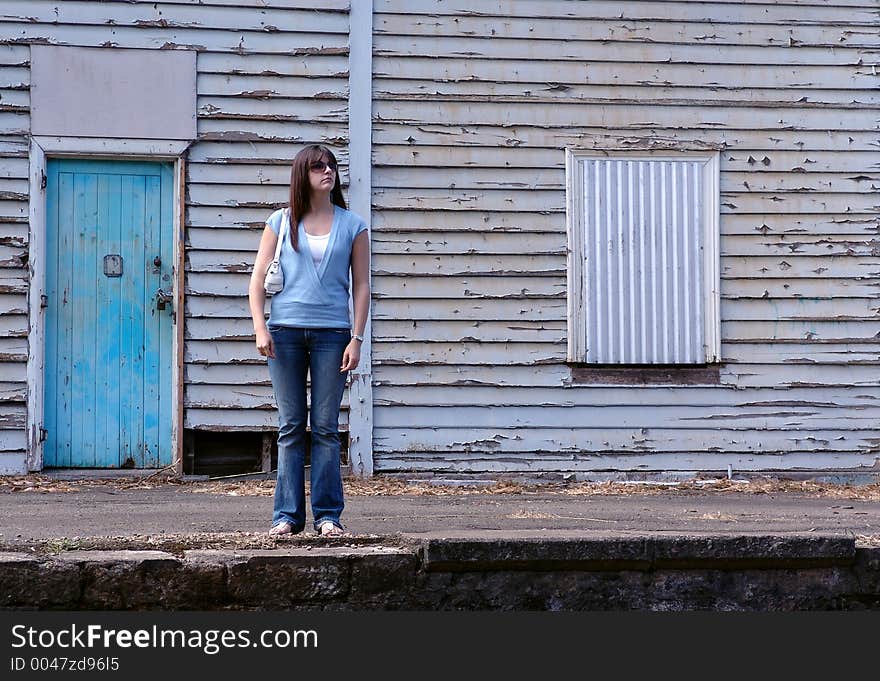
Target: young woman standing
[{"x": 309, "y": 333}]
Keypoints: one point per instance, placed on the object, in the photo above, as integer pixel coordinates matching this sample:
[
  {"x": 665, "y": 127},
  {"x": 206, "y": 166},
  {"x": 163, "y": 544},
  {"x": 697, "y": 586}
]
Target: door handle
[{"x": 163, "y": 297}]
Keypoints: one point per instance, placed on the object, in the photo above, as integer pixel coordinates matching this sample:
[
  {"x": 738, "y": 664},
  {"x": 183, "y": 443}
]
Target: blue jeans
[{"x": 318, "y": 352}]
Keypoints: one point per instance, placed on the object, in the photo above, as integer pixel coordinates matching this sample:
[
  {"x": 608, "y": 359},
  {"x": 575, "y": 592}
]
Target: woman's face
[{"x": 322, "y": 175}]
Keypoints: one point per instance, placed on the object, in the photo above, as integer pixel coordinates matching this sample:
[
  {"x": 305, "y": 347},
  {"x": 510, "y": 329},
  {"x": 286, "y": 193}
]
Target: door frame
[{"x": 87, "y": 148}]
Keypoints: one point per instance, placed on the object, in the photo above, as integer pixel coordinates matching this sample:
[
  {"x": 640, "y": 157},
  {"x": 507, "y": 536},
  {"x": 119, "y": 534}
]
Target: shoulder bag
[{"x": 274, "y": 281}]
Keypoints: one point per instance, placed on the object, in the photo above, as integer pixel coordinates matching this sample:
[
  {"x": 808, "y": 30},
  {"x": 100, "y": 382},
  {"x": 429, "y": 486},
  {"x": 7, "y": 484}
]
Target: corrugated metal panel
[{"x": 643, "y": 271}]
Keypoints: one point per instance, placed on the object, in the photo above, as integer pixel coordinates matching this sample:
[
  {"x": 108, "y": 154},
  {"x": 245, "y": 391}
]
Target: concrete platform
[{"x": 106, "y": 548}]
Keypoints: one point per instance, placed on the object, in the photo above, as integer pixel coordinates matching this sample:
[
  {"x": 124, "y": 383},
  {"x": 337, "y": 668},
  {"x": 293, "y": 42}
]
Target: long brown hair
[{"x": 301, "y": 188}]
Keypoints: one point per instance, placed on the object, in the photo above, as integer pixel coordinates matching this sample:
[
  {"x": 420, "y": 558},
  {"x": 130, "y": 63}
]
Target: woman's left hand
[{"x": 352, "y": 356}]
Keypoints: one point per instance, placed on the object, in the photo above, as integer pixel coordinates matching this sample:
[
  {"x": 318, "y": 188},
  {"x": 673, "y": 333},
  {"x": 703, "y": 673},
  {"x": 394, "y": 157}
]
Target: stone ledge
[
  {"x": 607, "y": 573},
  {"x": 299, "y": 576},
  {"x": 33, "y": 581},
  {"x": 638, "y": 553},
  {"x": 757, "y": 552}
]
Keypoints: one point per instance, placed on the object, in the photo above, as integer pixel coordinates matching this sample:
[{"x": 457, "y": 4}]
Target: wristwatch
[{"x": 354, "y": 336}]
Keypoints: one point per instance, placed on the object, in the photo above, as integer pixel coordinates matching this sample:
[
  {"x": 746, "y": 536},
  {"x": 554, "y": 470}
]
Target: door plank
[
  {"x": 84, "y": 319},
  {"x": 149, "y": 455},
  {"x": 166, "y": 346},
  {"x": 109, "y": 290},
  {"x": 133, "y": 323}
]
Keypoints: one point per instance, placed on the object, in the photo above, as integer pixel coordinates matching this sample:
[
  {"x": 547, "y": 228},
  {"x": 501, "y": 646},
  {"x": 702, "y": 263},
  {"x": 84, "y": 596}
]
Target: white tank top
[{"x": 318, "y": 245}]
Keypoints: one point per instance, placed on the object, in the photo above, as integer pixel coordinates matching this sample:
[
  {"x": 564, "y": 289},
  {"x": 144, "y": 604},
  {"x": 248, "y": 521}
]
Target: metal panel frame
[
  {"x": 577, "y": 304},
  {"x": 42, "y": 148}
]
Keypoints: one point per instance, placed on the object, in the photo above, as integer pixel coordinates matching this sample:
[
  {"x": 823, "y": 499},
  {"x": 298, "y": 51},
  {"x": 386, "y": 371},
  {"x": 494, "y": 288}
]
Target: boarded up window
[{"x": 643, "y": 277}]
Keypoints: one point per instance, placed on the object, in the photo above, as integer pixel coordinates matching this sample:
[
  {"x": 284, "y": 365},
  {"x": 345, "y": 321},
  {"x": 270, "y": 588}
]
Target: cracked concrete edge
[
  {"x": 198, "y": 555},
  {"x": 444, "y": 553}
]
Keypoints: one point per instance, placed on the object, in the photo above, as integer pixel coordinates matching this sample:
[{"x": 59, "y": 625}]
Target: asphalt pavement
[{"x": 28, "y": 517}]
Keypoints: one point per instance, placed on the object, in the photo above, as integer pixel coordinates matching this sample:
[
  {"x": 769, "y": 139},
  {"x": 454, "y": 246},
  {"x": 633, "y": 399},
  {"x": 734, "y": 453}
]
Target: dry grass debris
[
  {"x": 36, "y": 482},
  {"x": 868, "y": 541},
  {"x": 243, "y": 488},
  {"x": 724, "y": 486},
  {"x": 380, "y": 486}
]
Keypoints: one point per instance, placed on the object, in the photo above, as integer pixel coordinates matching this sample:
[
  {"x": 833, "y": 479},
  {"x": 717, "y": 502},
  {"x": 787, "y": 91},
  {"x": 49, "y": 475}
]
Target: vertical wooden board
[
  {"x": 179, "y": 242},
  {"x": 107, "y": 294},
  {"x": 35, "y": 366},
  {"x": 360, "y": 168},
  {"x": 72, "y": 306},
  {"x": 152, "y": 322},
  {"x": 64, "y": 229},
  {"x": 167, "y": 357},
  {"x": 127, "y": 302},
  {"x": 115, "y": 246},
  {"x": 136, "y": 319},
  {"x": 82, "y": 295},
  {"x": 50, "y": 347}
]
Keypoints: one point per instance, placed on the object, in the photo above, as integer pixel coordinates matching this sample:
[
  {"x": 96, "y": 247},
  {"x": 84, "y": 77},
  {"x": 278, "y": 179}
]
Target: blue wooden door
[{"x": 108, "y": 344}]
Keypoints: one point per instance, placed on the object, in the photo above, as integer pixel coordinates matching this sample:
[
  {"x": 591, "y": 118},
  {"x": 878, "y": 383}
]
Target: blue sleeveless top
[{"x": 315, "y": 296}]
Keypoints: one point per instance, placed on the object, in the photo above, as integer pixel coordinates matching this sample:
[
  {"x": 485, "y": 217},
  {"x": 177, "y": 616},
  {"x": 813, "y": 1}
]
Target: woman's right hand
[
  {"x": 264, "y": 343},
  {"x": 257, "y": 294}
]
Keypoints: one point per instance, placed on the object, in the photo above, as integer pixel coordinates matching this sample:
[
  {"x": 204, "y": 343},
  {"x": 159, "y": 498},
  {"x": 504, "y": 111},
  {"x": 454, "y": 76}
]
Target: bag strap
[{"x": 284, "y": 223}]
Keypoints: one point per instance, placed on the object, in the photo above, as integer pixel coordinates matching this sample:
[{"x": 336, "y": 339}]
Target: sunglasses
[{"x": 318, "y": 166}]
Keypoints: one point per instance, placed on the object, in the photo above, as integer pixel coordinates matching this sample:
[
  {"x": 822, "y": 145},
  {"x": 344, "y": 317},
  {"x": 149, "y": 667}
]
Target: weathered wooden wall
[
  {"x": 14, "y": 114},
  {"x": 257, "y": 108},
  {"x": 473, "y": 107},
  {"x": 272, "y": 76},
  {"x": 472, "y": 112}
]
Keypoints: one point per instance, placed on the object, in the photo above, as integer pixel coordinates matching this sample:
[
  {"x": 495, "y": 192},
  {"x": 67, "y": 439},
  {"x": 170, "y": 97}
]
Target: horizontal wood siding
[
  {"x": 272, "y": 77},
  {"x": 472, "y": 113},
  {"x": 257, "y": 108},
  {"x": 14, "y": 192}
]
